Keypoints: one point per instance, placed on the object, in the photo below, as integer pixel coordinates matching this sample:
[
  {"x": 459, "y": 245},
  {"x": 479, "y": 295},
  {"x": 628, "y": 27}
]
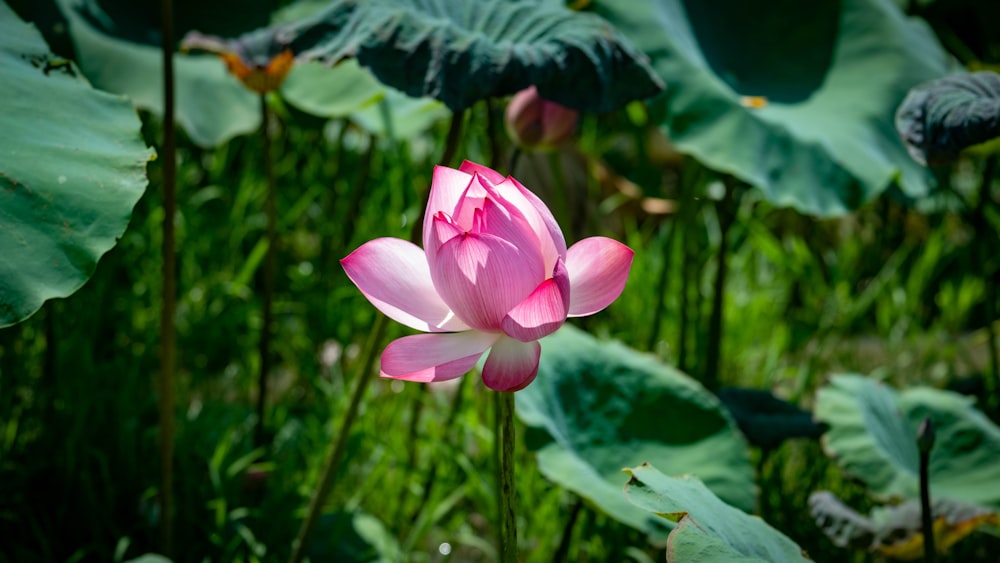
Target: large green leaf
[
  {"x": 599, "y": 406},
  {"x": 348, "y": 90},
  {"x": 708, "y": 530},
  {"x": 872, "y": 435},
  {"x": 460, "y": 52},
  {"x": 72, "y": 166},
  {"x": 796, "y": 98},
  {"x": 940, "y": 118},
  {"x": 211, "y": 106}
]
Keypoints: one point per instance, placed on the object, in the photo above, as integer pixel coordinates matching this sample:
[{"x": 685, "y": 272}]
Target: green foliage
[
  {"x": 894, "y": 286},
  {"x": 940, "y": 118},
  {"x": 799, "y": 103},
  {"x": 462, "y": 52},
  {"x": 873, "y": 432},
  {"x": 212, "y": 105},
  {"x": 348, "y": 90},
  {"x": 597, "y": 406},
  {"x": 73, "y": 166},
  {"x": 708, "y": 529}
]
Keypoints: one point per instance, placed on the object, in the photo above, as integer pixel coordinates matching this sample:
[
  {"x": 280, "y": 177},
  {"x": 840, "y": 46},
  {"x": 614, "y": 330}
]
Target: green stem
[
  {"x": 515, "y": 155},
  {"x": 713, "y": 345},
  {"x": 493, "y": 133},
  {"x": 339, "y": 447},
  {"x": 662, "y": 284},
  {"x": 562, "y": 552},
  {"x": 168, "y": 351},
  {"x": 270, "y": 260},
  {"x": 450, "y": 148},
  {"x": 507, "y": 500},
  {"x": 687, "y": 267},
  {"x": 560, "y": 196},
  {"x": 358, "y": 192},
  {"x": 449, "y": 427}
]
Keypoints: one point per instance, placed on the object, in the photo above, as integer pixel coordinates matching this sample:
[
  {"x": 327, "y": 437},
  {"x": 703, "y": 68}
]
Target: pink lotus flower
[{"x": 494, "y": 273}]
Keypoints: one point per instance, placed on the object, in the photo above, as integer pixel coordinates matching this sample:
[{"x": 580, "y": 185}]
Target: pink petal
[
  {"x": 482, "y": 277},
  {"x": 542, "y": 312},
  {"x": 511, "y": 365},
  {"x": 513, "y": 228},
  {"x": 470, "y": 167},
  {"x": 393, "y": 274},
  {"x": 434, "y": 357},
  {"x": 447, "y": 187},
  {"x": 598, "y": 269},
  {"x": 472, "y": 199},
  {"x": 550, "y": 237}
]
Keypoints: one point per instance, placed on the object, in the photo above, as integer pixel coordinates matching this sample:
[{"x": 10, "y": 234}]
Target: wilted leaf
[
  {"x": 460, "y": 52},
  {"x": 799, "y": 102},
  {"x": 939, "y": 119},
  {"x": 708, "y": 530},
  {"x": 896, "y": 531},
  {"x": 72, "y": 166},
  {"x": 872, "y": 435},
  {"x": 599, "y": 406}
]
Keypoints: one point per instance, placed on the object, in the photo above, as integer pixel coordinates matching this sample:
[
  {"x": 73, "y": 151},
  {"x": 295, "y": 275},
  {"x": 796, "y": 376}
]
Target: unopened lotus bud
[
  {"x": 926, "y": 436},
  {"x": 536, "y": 123}
]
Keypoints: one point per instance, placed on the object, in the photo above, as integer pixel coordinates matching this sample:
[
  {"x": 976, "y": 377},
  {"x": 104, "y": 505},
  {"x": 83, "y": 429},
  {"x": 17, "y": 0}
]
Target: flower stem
[
  {"x": 713, "y": 353},
  {"x": 450, "y": 148},
  {"x": 562, "y": 552},
  {"x": 168, "y": 348},
  {"x": 507, "y": 494},
  {"x": 338, "y": 448},
  {"x": 267, "y": 322}
]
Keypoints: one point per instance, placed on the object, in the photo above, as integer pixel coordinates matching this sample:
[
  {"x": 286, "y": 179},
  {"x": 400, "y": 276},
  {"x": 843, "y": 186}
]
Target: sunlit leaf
[
  {"x": 599, "y": 406},
  {"x": 72, "y": 166},
  {"x": 150, "y": 558},
  {"x": 460, "y": 52},
  {"x": 708, "y": 530},
  {"x": 896, "y": 531},
  {"x": 795, "y": 98},
  {"x": 349, "y": 90},
  {"x": 872, "y": 435},
  {"x": 939, "y": 119},
  {"x": 331, "y": 92}
]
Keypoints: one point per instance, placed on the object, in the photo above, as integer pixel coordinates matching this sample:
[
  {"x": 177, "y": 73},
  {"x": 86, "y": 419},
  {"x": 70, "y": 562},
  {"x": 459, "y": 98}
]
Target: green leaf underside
[
  {"x": 939, "y": 119},
  {"x": 211, "y": 105},
  {"x": 597, "y": 407},
  {"x": 463, "y": 52},
  {"x": 348, "y": 90},
  {"x": 872, "y": 435},
  {"x": 709, "y": 530},
  {"x": 832, "y": 74},
  {"x": 72, "y": 166}
]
